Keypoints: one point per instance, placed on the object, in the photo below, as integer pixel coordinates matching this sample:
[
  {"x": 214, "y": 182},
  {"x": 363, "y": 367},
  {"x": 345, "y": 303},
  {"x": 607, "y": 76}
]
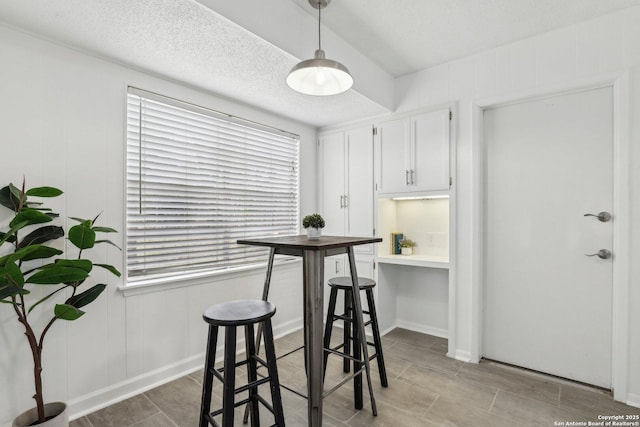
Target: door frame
[{"x": 620, "y": 83}]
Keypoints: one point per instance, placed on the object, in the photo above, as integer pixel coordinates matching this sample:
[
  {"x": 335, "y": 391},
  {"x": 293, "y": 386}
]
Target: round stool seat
[
  {"x": 345, "y": 283},
  {"x": 240, "y": 312}
]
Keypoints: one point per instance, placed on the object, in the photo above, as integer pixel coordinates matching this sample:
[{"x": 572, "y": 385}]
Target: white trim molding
[
  {"x": 107, "y": 396},
  {"x": 620, "y": 82},
  {"x": 424, "y": 329},
  {"x": 633, "y": 400},
  {"x": 463, "y": 356}
]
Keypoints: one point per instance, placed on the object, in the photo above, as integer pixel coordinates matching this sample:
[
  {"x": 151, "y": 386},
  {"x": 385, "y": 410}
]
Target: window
[{"x": 198, "y": 180}]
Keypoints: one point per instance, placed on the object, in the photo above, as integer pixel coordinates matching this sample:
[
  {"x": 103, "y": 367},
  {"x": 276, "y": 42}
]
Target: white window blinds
[{"x": 197, "y": 181}]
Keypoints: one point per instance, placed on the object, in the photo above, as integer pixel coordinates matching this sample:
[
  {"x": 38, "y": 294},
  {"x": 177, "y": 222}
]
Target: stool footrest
[
  {"x": 252, "y": 385},
  {"x": 344, "y": 380},
  {"x": 341, "y": 354},
  {"x": 211, "y": 421},
  {"x": 265, "y": 403},
  {"x": 342, "y": 317},
  {"x": 347, "y": 319},
  {"x": 336, "y": 348}
]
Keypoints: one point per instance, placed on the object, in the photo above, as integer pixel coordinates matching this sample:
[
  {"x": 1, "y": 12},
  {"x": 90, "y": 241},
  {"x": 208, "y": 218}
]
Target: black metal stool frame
[
  {"x": 227, "y": 376},
  {"x": 351, "y": 336}
]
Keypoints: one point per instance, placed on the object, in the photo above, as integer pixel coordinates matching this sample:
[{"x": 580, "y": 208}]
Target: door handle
[
  {"x": 406, "y": 176},
  {"x": 602, "y": 216},
  {"x": 413, "y": 180},
  {"x": 602, "y": 254},
  {"x": 342, "y": 201},
  {"x": 345, "y": 201}
]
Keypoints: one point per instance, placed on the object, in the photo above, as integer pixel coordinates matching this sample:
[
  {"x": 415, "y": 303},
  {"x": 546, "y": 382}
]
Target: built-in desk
[{"x": 415, "y": 260}]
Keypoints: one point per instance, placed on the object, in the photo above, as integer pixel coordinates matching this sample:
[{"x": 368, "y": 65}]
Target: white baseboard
[
  {"x": 633, "y": 400},
  {"x": 463, "y": 356},
  {"x": 417, "y": 327},
  {"x": 113, "y": 394},
  {"x": 389, "y": 329},
  {"x": 107, "y": 396}
]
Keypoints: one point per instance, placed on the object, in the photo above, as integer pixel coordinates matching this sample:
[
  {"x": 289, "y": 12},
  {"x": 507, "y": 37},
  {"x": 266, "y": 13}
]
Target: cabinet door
[
  {"x": 333, "y": 188},
  {"x": 393, "y": 149},
  {"x": 359, "y": 152},
  {"x": 430, "y": 151}
]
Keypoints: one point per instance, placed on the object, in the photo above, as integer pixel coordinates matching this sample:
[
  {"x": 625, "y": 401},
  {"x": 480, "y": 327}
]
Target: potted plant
[
  {"x": 313, "y": 223},
  {"x": 406, "y": 246},
  {"x": 26, "y": 261}
]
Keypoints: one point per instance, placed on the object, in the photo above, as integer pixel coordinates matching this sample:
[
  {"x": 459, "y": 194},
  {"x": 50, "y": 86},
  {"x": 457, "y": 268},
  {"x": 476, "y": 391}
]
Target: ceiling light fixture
[{"x": 319, "y": 76}]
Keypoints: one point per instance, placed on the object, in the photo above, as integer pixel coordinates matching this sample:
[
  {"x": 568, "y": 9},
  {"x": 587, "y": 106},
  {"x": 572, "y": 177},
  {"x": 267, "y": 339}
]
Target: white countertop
[{"x": 415, "y": 260}]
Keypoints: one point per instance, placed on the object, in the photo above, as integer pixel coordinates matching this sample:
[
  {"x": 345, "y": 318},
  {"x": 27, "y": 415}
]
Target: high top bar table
[{"x": 313, "y": 253}]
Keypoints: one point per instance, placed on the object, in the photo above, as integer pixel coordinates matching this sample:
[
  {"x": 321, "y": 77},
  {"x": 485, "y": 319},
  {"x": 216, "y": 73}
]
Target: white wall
[
  {"x": 559, "y": 58},
  {"x": 62, "y": 123}
]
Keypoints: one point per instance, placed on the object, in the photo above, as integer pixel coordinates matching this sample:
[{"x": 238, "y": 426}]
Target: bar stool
[
  {"x": 231, "y": 315},
  {"x": 351, "y": 339}
]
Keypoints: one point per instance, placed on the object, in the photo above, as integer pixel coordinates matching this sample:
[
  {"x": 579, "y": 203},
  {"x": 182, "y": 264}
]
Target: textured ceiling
[
  {"x": 243, "y": 49},
  {"x": 187, "y": 42}
]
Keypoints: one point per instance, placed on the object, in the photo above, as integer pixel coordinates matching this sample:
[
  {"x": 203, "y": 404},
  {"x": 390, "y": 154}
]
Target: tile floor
[{"x": 426, "y": 388}]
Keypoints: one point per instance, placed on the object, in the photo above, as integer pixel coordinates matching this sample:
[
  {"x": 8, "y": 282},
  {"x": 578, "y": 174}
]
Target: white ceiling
[
  {"x": 405, "y": 36},
  {"x": 243, "y": 49}
]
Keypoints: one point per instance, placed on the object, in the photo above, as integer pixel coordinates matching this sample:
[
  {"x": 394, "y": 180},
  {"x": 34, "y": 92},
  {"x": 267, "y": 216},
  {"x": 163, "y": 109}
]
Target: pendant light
[{"x": 319, "y": 76}]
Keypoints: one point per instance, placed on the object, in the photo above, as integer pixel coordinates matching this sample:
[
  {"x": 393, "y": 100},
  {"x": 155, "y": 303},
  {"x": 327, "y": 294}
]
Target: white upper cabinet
[
  {"x": 347, "y": 183},
  {"x": 393, "y": 138},
  {"x": 413, "y": 153}
]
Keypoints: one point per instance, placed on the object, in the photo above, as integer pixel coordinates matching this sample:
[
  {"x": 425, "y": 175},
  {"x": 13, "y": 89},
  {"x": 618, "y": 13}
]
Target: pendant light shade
[{"x": 319, "y": 76}]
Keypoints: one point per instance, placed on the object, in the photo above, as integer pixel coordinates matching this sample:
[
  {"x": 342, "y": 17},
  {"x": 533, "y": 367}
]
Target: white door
[{"x": 547, "y": 305}]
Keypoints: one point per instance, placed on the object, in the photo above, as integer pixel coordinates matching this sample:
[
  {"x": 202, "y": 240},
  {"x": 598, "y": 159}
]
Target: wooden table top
[{"x": 304, "y": 243}]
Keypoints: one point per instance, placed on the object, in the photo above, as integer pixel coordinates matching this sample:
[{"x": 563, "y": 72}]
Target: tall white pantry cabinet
[
  {"x": 346, "y": 193},
  {"x": 366, "y": 168}
]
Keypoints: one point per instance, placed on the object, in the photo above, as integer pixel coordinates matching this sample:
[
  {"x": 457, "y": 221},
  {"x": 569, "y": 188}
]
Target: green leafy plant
[
  {"x": 313, "y": 221},
  {"x": 406, "y": 243},
  {"x": 26, "y": 261}
]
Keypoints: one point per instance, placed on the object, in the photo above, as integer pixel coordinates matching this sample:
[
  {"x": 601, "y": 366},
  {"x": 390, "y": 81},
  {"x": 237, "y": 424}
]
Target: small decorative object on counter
[
  {"x": 395, "y": 243},
  {"x": 406, "y": 246},
  {"x": 314, "y": 224}
]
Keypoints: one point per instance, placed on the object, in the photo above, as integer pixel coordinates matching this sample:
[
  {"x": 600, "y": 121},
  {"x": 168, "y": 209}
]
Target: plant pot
[
  {"x": 56, "y": 410},
  {"x": 406, "y": 251},
  {"x": 314, "y": 233}
]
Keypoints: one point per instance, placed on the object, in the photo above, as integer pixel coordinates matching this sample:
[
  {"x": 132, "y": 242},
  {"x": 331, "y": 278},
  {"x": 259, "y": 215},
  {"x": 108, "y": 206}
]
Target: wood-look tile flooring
[{"x": 426, "y": 388}]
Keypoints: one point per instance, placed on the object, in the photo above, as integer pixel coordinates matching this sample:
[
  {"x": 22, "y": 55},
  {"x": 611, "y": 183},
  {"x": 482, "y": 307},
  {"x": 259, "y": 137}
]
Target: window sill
[{"x": 140, "y": 287}]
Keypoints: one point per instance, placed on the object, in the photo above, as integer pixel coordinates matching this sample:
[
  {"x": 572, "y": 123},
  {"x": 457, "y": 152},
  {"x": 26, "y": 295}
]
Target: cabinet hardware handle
[
  {"x": 602, "y": 254},
  {"x": 341, "y": 202},
  {"x": 413, "y": 181},
  {"x": 602, "y": 216},
  {"x": 406, "y": 177},
  {"x": 345, "y": 201}
]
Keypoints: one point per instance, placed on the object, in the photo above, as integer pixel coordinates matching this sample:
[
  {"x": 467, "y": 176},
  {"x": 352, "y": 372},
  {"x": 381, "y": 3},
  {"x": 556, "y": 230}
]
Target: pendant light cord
[{"x": 319, "y": 38}]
